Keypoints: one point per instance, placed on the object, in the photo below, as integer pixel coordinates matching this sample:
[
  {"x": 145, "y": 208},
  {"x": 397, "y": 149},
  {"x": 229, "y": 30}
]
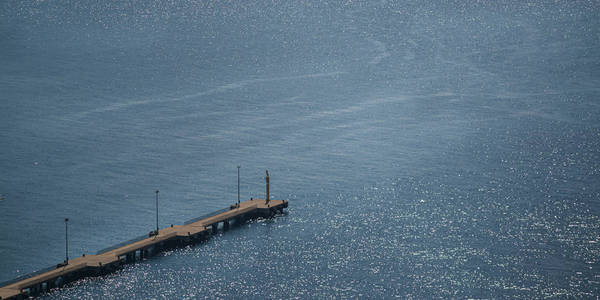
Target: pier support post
[
  {"x": 215, "y": 227},
  {"x": 225, "y": 225},
  {"x": 35, "y": 290}
]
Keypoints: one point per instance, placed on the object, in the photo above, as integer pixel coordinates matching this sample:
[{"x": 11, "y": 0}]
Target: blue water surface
[{"x": 427, "y": 150}]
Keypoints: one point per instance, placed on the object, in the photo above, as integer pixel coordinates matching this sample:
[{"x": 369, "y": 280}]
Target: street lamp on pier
[
  {"x": 156, "y": 212},
  {"x": 66, "y": 241},
  {"x": 238, "y": 186}
]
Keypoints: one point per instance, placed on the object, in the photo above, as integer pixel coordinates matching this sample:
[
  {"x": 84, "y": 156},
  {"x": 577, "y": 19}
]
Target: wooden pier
[{"x": 105, "y": 262}]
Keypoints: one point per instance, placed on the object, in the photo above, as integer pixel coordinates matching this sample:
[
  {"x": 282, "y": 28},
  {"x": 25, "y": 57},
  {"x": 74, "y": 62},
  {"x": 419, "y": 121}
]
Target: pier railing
[
  {"x": 212, "y": 214},
  {"x": 119, "y": 245},
  {"x": 27, "y": 276}
]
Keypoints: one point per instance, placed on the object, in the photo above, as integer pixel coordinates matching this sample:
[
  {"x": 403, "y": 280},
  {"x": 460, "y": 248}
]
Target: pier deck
[{"x": 90, "y": 265}]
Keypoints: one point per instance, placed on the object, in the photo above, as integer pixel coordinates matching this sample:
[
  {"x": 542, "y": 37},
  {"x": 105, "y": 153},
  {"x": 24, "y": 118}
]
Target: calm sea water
[{"x": 427, "y": 150}]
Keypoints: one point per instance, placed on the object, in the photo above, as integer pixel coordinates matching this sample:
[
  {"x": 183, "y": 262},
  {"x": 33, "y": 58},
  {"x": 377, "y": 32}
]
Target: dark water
[{"x": 427, "y": 150}]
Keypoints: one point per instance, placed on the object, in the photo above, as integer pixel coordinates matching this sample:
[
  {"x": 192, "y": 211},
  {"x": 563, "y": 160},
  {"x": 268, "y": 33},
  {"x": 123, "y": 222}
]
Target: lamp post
[
  {"x": 267, "y": 180},
  {"x": 66, "y": 241},
  {"x": 238, "y": 186},
  {"x": 156, "y": 212}
]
